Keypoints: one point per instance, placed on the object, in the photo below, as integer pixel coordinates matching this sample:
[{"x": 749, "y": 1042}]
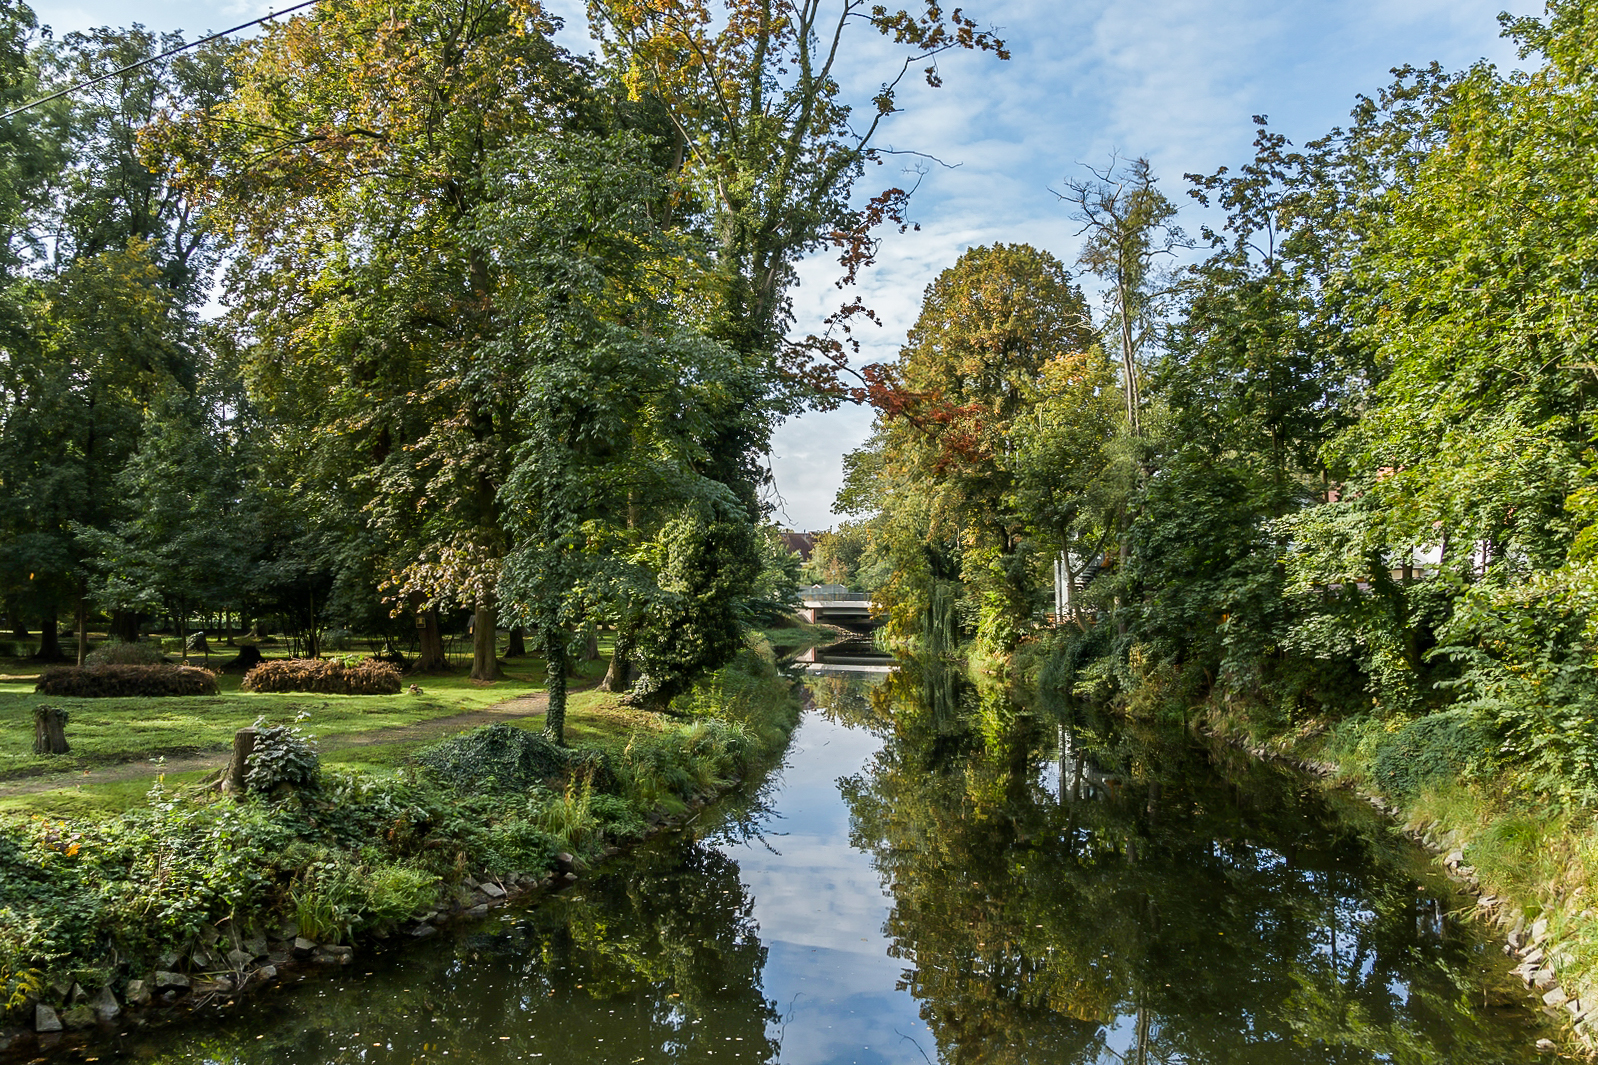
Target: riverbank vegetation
[
  {"x": 337, "y": 853},
  {"x": 1328, "y": 486}
]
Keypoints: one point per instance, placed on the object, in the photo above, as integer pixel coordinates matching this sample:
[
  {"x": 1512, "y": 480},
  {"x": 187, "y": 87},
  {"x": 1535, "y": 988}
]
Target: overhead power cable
[{"x": 155, "y": 58}]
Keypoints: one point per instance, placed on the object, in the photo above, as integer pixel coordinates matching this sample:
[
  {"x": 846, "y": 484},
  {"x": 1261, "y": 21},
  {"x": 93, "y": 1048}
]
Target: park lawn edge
[{"x": 735, "y": 723}]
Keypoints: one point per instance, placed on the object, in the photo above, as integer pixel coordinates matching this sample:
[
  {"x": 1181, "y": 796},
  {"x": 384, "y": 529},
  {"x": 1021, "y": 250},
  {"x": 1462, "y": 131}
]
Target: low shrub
[
  {"x": 619, "y": 817},
  {"x": 665, "y": 771},
  {"x": 120, "y": 653},
  {"x": 323, "y": 676},
  {"x": 94, "y": 682},
  {"x": 334, "y": 900},
  {"x": 570, "y": 818},
  {"x": 1445, "y": 746},
  {"x": 517, "y": 845},
  {"x": 281, "y": 756},
  {"x": 497, "y": 758}
]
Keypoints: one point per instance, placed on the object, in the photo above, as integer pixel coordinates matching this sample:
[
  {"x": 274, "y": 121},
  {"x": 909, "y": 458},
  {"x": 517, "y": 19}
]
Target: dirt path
[{"x": 435, "y": 728}]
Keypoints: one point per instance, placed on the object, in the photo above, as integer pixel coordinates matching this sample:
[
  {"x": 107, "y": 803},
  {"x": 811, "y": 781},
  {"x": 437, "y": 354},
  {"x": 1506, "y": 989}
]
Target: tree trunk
[
  {"x": 431, "y": 641},
  {"x": 83, "y": 624},
  {"x": 313, "y": 645},
  {"x": 49, "y": 638},
  {"x": 125, "y": 626},
  {"x": 49, "y": 730},
  {"x": 619, "y": 677},
  {"x": 591, "y": 644},
  {"x": 233, "y": 782},
  {"x": 517, "y": 645},
  {"x": 19, "y": 621},
  {"x": 485, "y": 659},
  {"x": 555, "y": 678}
]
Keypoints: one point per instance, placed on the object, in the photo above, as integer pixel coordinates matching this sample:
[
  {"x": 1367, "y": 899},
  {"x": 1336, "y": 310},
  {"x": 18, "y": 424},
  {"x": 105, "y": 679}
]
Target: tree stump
[
  {"x": 49, "y": 730},
  {"x": 243, "y": 746},
  {"x": 247, "y": 659}
]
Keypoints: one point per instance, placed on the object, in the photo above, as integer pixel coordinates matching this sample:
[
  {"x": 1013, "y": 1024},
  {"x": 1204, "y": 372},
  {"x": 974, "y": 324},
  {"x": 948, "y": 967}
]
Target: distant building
[{"x": 799, "y": 543}]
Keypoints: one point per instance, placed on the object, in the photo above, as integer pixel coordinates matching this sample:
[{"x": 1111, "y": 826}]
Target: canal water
[{"x": 937, "y": 875}]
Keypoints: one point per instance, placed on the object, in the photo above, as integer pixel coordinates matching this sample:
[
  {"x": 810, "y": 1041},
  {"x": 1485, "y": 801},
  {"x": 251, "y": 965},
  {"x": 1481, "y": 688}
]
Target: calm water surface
[{"x": 936, "y": 875}]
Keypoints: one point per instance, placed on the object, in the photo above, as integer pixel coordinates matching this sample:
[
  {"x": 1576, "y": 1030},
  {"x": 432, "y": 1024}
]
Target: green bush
[
  {"x": 394, "y": 892},
  {"x": 1443, "y": 746},
  {"x": 91, "y": 682},
  {"x": 334, "y": 900},
  {"x": 519, "y": 846},
  {"x": 620, "y": 818},
  {"x": 282, "y": 755},
  {"x": 569, "y": 818},
  {"x": 665, "y": 771},
  {"x": 120, "y": 653},
  {"x": 495, "y": 758}
]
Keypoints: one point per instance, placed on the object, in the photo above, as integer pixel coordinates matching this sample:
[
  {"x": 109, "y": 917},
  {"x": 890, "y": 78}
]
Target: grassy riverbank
[{"x": 368, "y": 841}]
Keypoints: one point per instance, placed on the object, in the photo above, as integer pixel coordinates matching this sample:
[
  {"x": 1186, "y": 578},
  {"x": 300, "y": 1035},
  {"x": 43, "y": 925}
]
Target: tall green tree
[
  {"x": 621, "y": 399},
  {"x": 952, "y": 408},
  {"x": 107, "y": 193},
  {"x": 767, "y": 153},
  {"x": 351, "y": 167},
  {"x": 1130, "y": 233},
  {"x": 108, "y": 343}
]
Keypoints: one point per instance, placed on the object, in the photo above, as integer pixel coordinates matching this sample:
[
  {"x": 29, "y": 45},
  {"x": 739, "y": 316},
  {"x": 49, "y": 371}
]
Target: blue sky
[{"x": 1175, "y": 80}]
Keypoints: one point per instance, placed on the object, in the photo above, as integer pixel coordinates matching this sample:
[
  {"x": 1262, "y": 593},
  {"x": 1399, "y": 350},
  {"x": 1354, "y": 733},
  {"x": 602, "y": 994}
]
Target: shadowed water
[{"x": 936, "y": 874}]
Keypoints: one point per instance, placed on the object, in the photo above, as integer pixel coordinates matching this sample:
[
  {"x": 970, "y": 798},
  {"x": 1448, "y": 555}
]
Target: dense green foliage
[
  {"x": 505, "y": 328},
  {"x": 494, "y": 758},
  {"x": 1351, "y": 476}
]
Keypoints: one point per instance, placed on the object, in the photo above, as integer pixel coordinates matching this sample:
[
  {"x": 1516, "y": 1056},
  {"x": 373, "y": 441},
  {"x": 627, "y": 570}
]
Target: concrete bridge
[{"x": 836, "y": 605}]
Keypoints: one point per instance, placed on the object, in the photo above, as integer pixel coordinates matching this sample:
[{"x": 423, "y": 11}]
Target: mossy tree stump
[
  {"x": 233, "y": 781},
  {"x": 49, "y": 730}
]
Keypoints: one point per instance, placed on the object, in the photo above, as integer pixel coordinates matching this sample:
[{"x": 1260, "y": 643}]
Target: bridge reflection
[{"x": 847, "y": 656}]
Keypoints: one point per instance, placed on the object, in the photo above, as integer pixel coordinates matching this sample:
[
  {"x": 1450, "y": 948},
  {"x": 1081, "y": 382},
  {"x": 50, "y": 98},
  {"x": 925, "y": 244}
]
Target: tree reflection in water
[
  {"x": 1070, "y": 889},
  {"x": 1059, "y": 888}
]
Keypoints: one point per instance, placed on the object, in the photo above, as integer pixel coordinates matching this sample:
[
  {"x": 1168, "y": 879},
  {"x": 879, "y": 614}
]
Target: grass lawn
[{"x": 134, "y": 732}]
